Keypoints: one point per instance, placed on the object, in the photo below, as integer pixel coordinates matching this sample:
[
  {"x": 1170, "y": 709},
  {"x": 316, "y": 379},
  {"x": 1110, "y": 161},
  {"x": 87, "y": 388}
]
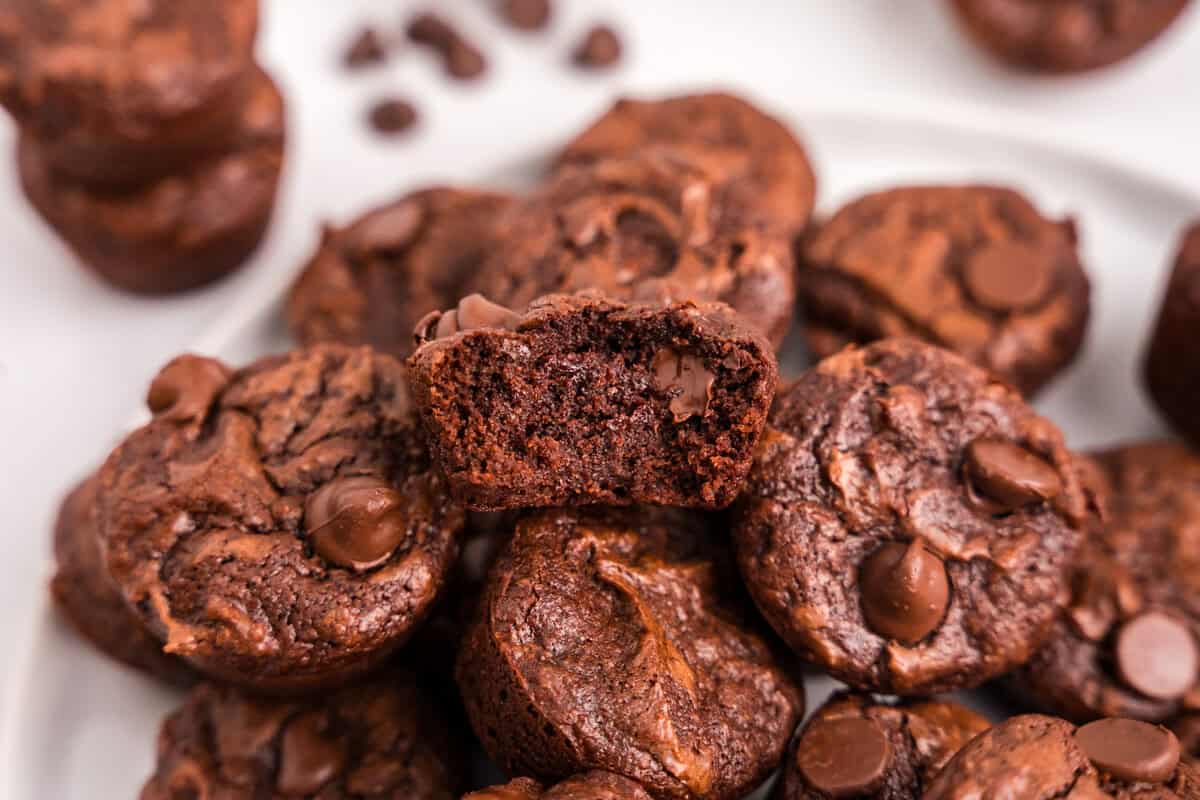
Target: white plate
[{"x": 82, "y": 728}]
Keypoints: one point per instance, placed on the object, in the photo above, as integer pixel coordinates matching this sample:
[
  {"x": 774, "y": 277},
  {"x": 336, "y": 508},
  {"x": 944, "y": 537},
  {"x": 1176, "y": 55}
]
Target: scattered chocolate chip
[
  {"x": 905, "y": 591},
  {"x": 356, "y": 522},
  {"x": 465, "y": 61},
  {"x": 1157, "y": 656},
  {"x": 461, "y": 58},
  {"x": 185, "y": 389},
  {"x": 599, "y": 48},
  {"x": 307, "y": 758},
  {"x": 1009, "y": 276},
  {"x": 392, "y": 116},
  {"x": 844, "y": 757},
  {"x": 686, "y": 379},
  {"x": 1010, "y": 475},
  {"x": 526, "y": 15},
  {"x": 365, "y": 50},
  {"x": 1130, "y": 750}
]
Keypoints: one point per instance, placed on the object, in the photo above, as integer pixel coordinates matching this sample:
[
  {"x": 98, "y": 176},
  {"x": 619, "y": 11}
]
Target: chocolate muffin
[
  {"x": 123, "y": 93},
  {"x": 1063, "y": 36},
  {"x": 372, "y": 281},
  {"x": 280, "y": 526},
  {"x": 381, "y": 740},
  {"x": 594, "y": 785},
  {"x": 655, "y": 225},
  {"x": 177, "y": 233},
  {"x": 87, "y": 597},
  {"x": 1127, "y": 642},
  {"x": 1043, "y": 758},
  {"x": 856, "y": 746},
  {"x": 617, "y": 639},
  {"x": 1172, "y": 374},
  {"x": 909, "y": 521},
  {"x": 582, "y": 399},
  {"x": 975, "y": 269},
  {"x": 758, "y": 164}
]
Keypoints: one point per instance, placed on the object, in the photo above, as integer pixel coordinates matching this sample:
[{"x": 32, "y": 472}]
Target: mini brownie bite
[
  {"x": 593, "y": 785},
  {"x": 1127, "y": 642},
  {"x": 381, "y": 740},
  {"x": 1043, "y": 758},
  {"x": 181, "y": 231},
  {"x": 975, "y": 269},
  {"x": 372, "y": 281},
  {"x": 583, "y": 399},
  {"x": 618, "y": 640},
  {"x": 855, "y": 746},
  {"x": 1172, "y": 374},
  {"x": 86, "y": 596},
  {"x": 120, "y": 93},
  {"x": 909, "y": 521},
  {"x": 1066, "y": 35},
  {"x": 654, "y": 225},
  {"x": 761, "y": 167},
  {"x": 279, "y": 526}
]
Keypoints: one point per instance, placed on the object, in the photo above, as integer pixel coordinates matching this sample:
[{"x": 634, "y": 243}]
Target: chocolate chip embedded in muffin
[
  {"x": 617, "y": 639},
  {"x": 374, "y": 741},
  {"x": 582, "y": 399},
  {"x": 909, "y": 521},
  {"x": 593, "y": 785},
  {"x": 1127, "y": 642},
  {"x": 280, "y": 528},
  {"x": 1066, "y": 35},
  {"x": 855, "y": 746},
  {"x": 1043, "y": 758},
  {"x": 1172, "y": 376},
  {"x": 372, "y": 280},
  {"x": 975, "y": 269}
]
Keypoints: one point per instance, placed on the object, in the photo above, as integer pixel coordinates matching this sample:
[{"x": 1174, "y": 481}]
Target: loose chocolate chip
[
  {"x": 844, "y": 757},
  {"x": 1130, "y": 750},
  {"x": 462, "y": 59},
  {"x": 392, "y": 116},
  {"x": 307, "y": 758},
  {"x": 366, "y": 50},
  {"x": 356, "y": 522},
  {"x": 388, "y": 231},
  {"x": 905, "y": 591},
  {"x": 685, "y": 378},
  {"x": 526, "y": 15},
  {"x": 599, "y": 48},
  {"x": 465, "y": 61},
  {"x": 1157, "y": 656},
  {"x": 1008, "y": 276},
  {"x": 432, "y": 30},
  {"x": 186, "y": 388},
  {"x": 1010, "y": 475}
]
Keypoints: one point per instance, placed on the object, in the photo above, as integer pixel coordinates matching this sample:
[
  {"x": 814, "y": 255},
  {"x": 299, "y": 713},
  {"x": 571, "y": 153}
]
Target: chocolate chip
[
  {"x": 685, "y": 378},
  {"x": 465, "y": 61},
  {"x": 599, "y": 48},
  {"x": 905, "y": 591},
  {"x": 526, "y": 15},
  {"x": 1010, "y": 475},
  {"x": 1130, "y": 750},
  {"x": 186, "y": 388},
  {"x": 844, "y": 757},
  {"x": 388, "y": 231},
  {"x": 432, "y": 30},
  {"x": 1157, "y": 656},
  {"x": 461, "y": 58},
  {"x": 308, "y": 758},
  {"x": 476, "y": 311},
  {"x": 1008, "y": 276},
  {"x": 365, "y": 50},
  {"x": 392, "y": 115},
  {"x": 356, "y": 522}
]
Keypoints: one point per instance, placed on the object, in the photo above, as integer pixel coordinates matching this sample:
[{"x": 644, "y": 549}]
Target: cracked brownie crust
[
  {"x": 594, "y": 785},
  {"x": 1172, "y": 374},
  {"x": 909, "y": 521},
  {"x": 279, "y": 526},
  {"x": 617, "y": 639}
]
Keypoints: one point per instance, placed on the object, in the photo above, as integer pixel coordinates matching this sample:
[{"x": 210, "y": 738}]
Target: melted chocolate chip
[
  {"x": 307, "y": 759},
  {"x": 1008, "y": 276},
  {"x": 366, "y": 50},
  {"x": 685, "y": 378},
  {"x": 905, "y": 591},
  {"x": 599, "y": 48},
  {"x": 356, "y": 522},
  {"x": 392, "y": 116},
  {"x": 1157, "y": 656},
  {"x": 1010, "y": 475},
  {"x": 844, "y": 757},
  {"x": 186, "y": 388},
  {"x": 526, "y": 15},
  {"x": 1130, "y": 750}
]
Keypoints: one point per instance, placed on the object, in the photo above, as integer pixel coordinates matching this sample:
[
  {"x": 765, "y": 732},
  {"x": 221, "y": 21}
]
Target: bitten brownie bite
[
  {"x": 582, "y": 399},
  {"x": 279, "y": 526},
  {"x": 1042, "y": 758},
  {"x": 179, "y": 232},
  {"x": 760, "y": 165},
  {"x": 594, "y": 785},
  {"x": 654, "y": 225},
  {"x": 372, "y": 281},
  {"x": 618, "y": 639},
  {"x": 1066, "y": 35},
  {"x": 855, "y": 746},
  {"x": 1127, "y": 642},
  {"x": 909, "y": 521},
  {"x": 1172, "y": 372},
  {"x": 381, "y": 740},
  {"x": 975, "y": 269},
  {"x": 87, "y": 597}
]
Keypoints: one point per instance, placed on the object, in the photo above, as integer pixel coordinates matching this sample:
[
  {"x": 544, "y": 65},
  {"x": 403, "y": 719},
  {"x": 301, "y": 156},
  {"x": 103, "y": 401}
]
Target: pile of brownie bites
[{"x": 539, "y": 444}]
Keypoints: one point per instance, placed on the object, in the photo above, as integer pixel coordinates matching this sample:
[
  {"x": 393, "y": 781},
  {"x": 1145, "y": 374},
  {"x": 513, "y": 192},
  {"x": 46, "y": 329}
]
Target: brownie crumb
[
  {"x": 526, "y": 15},
  {"x": 599, "y": 48},
  {"x": 366, "y": 50},
  {"x": 460, "y": 57},
  {"x": 392, "y": 116}
]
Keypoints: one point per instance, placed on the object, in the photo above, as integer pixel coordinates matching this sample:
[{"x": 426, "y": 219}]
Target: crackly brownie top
[
  {"x": 595, "y": 785},
  {"x": 909, "y": 522},
  {"x": 282, "y": 517}
]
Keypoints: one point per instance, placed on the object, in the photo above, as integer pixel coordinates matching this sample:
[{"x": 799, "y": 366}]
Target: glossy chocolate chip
[
  {"x": 356, "y": 522},
  {"x": 844, "y": 757},
  {"x": 473, "y": 312},
  {"x": 1009, "y": 475},
  {"x": 1008, "y": 276},
  {"x": 685, "y": 378},
  {"x": 1130, "y": 750},
  {"x": 186, "y": 388},
  {"x": 1156, "y": 655},
  {"x": 905, "y": 591},
  {"x": 309, "y": 757}
]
